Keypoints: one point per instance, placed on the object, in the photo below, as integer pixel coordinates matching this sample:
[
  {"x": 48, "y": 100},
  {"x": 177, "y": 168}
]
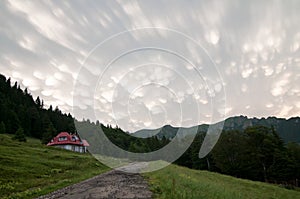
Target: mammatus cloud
[{"x": 255, "y": 47}]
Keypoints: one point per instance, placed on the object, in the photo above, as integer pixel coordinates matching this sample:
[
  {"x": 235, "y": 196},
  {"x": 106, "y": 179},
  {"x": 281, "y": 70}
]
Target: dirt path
[{"x": 113, "y": 184}]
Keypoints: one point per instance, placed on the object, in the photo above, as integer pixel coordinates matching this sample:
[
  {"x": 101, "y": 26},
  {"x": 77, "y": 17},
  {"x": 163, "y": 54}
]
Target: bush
[{"x": 19, "y": 135}]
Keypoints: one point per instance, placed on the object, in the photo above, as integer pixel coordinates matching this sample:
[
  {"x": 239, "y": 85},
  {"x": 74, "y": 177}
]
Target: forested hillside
[
  {"x": 117, "y": 136},
  {"x": 257, "y": 153},
  {"x": 18, "y": 110}
]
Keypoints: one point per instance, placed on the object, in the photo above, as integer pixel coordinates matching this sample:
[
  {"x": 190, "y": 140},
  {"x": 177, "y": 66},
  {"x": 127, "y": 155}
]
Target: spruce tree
[
  {"x": 19, "y": 135},
  {"x": 48, "y": 134},
  {"x": 2, "y": 128}
]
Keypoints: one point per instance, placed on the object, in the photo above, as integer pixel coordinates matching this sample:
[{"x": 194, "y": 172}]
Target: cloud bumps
[{"x": 200, "y": 57}]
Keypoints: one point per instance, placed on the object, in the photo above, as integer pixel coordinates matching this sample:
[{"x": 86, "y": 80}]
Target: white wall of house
[{"x": 80, "y": 149}]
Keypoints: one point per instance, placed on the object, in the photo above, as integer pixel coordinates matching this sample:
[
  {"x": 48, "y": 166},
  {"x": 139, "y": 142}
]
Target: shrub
[{"x": 19, "y": 135}]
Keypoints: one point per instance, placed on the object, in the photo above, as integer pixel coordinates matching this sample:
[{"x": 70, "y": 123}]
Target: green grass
[
  {"x": 180, "y": 182},
  {"x": 30, "y": 169}
]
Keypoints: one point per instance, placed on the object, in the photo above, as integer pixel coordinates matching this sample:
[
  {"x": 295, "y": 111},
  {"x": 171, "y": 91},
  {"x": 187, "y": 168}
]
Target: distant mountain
[
  {"x": 168, "y": 131},
  {"x": 288, "y": 129}
]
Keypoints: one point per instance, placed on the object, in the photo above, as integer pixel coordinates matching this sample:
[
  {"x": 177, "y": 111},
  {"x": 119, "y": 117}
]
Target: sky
[{"x": 144, "y": 64}]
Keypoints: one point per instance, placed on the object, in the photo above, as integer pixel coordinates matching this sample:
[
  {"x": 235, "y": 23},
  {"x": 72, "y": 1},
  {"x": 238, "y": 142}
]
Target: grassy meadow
[
  {"x": 180, "y": 182},
  {"x": 31, "y": 169}
]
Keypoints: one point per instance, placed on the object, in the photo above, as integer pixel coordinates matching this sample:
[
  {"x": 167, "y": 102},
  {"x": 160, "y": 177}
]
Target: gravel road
[{"x": 113, "y": 184}]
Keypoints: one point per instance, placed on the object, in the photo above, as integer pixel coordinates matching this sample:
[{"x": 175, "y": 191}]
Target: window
[
  {"x": 64, "y": 138},
  {"x": 74, "y": 138}
]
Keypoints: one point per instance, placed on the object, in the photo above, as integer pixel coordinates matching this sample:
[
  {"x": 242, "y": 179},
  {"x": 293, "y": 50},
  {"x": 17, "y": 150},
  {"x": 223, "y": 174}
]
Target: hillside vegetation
[
  {"x": 31, "y": 169},
  {"x": 19, "y": 111},
  {"x": 180, "y": 182},
  {"x": 257, "y": 153}
]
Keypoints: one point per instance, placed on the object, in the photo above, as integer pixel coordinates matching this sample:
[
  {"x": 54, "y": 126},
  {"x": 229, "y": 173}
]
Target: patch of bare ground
[{"x": 113, "y": 184}]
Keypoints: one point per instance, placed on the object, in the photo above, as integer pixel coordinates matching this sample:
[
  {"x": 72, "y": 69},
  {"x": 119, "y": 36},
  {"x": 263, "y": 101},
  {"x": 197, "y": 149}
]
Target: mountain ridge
[{"x": 287, "y": 128}]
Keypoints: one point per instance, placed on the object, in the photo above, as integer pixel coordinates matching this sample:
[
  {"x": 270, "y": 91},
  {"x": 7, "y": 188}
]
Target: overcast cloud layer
[{"x": 248, "y": 49}]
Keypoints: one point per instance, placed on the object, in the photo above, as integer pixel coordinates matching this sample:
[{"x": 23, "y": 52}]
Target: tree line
[
  {"x": 88, "y": 130},
  {"x": 23, "y": 116},
  {"x": 19, "y": 112},
  {"x": 256, "y": 153}
]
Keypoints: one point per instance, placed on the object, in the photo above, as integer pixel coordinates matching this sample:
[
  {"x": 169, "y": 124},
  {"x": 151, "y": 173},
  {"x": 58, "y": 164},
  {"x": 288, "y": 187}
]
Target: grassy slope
[
  {"x": 30, "y": 169},
  {"x": 179, "y": 182}
]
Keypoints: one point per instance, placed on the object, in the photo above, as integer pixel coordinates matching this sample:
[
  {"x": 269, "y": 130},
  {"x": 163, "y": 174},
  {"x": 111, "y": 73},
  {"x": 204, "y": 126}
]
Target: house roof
[
  {"x": 85, "y": 143},
  {"x": 64, "y": 138}
]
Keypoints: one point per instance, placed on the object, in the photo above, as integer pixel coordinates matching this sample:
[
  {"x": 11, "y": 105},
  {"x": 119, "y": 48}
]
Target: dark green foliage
[
  {"x": 294, "y": 155},
  {"x": 121, "y": 139},
  {"x": 19, "y": 135},
  {"x": 2, "y": 128},
  {"x": 266, "y": 151},
  {"x": 19, "y": 109},
  {"x": 229, "y": 153},
  {"x": 48, "y": 134},
  {"x": 256, "y": 153}
]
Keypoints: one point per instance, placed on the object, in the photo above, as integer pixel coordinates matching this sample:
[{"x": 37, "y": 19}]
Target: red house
[{"x": 70, "y": 142}]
